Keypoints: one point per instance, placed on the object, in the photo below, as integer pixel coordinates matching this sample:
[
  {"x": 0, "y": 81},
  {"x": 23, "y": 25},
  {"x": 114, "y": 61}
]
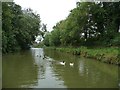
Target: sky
[{"x": 51, "y": 11}]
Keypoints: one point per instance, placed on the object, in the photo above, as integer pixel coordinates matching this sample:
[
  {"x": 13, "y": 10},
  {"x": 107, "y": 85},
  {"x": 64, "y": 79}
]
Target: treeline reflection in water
[
  {"x": 86, "y": 73},
  {"x": 40, "y": 68}
]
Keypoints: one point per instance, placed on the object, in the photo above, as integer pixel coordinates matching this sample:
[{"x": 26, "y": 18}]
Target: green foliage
[
  {"x": 47, "y": 40},
  {"x": 116, "y": 41},
  {"x": 55, "y": 38},
  {"x": 107, "y": 55},
  {"x": 89, "y": 24},
  {"x": 19, "y": 27}
]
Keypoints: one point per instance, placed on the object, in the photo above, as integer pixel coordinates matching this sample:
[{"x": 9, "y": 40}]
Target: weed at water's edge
[{"x": 106, "y": 55}]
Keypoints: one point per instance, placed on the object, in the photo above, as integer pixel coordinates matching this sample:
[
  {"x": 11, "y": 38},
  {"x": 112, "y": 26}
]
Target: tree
[
  {"x": 90, "y": 23},
  {"x": 19, "y": 27}
]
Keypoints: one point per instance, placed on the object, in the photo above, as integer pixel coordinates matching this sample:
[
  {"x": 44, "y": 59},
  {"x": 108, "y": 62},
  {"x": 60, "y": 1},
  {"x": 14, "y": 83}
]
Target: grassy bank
[{"x": 108, "y": 55}]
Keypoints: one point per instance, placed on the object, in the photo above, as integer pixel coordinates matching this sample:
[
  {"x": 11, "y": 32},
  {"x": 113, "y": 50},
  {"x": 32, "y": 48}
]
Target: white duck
[
  {"x": 62, "y": 63},
  {"x": 71, "y": 64}
]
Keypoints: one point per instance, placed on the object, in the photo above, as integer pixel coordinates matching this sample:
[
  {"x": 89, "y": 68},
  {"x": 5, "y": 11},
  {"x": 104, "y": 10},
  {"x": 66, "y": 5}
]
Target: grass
[{"x": 107, "y": 54}]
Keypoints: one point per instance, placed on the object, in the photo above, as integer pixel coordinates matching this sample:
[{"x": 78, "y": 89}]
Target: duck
[
  {"x": 44, "y": 56},
  {"x": 71, "y": 64},
  {"x": 62, "y": 63}
]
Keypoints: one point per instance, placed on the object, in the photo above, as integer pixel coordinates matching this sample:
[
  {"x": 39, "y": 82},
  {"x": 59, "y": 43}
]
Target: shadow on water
[
  {"x": 18, "y": 70},
  {"x": 40, "y": 68}
]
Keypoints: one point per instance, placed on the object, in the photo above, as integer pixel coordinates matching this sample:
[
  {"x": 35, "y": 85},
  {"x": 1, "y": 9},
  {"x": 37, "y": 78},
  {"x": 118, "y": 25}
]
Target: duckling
[
  {"x": 62, "y": 63},
  {"x": 71, "y": 64}
]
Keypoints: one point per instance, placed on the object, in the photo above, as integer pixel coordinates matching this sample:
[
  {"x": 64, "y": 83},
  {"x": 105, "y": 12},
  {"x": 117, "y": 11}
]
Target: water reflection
[
  {"x": 81, "y": 67},
  {"x": 18, "y": 70},
  {"x": 40, "y": 68},
  {"x": 46, "y": 76},
  {"x": 38, "y": 55},
  {"x": 86, "y": 73}
]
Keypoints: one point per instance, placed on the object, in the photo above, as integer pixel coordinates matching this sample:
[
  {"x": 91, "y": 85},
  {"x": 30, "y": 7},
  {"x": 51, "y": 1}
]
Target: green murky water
[{"x": 40, "y": 68}]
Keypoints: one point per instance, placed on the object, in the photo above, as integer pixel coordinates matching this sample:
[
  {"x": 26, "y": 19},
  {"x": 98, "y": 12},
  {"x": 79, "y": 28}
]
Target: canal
[{"x": 38, "y": 68}]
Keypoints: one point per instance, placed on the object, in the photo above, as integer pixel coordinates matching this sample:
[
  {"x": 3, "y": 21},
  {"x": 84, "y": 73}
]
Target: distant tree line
[
  {"x": 89, "y": 24},
  {"x": 19, "y": 27}
]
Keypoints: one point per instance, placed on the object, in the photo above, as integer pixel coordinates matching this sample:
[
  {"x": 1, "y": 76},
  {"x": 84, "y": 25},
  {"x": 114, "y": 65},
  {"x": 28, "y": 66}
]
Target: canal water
[{"x": 38, "y": 68}]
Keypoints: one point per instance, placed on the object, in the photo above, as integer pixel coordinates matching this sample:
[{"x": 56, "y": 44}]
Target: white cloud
[{"x": 51, "y": 11}]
